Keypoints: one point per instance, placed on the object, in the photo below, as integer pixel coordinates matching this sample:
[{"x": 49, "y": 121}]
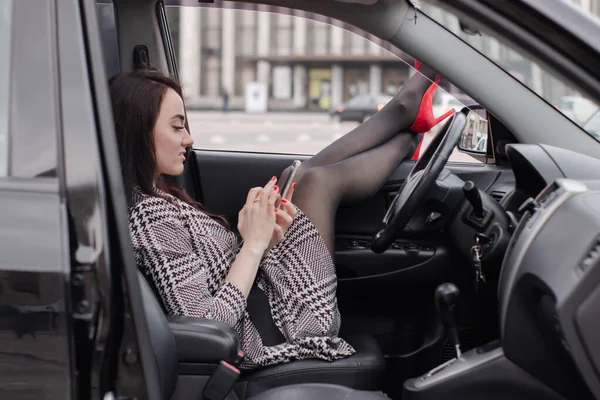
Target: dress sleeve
[{"x": 163, "y": 249}]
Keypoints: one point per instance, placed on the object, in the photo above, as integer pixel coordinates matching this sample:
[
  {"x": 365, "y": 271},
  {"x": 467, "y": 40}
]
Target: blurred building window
[
  {"x": 283, "y": 34},
  {"x": 319, "y": 37},
  {"x": 246, "y": 36},
  {"x": 211, "y": 51}
]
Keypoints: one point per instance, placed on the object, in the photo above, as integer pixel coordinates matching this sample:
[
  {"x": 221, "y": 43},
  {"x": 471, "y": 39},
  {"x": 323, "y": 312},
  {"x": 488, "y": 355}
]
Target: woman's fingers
[
  {"x": 278, "y": 233},
  {"x": 267, "y": 191},
  {"x": 252, "y": 194},
  {"x": 289, "y": 208},
  {"x": 273, "y": 198},
  {"x": 284, "y": 219}
]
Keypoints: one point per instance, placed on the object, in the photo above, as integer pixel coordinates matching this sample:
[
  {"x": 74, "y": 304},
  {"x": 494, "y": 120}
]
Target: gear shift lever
[
  {"x": 446, "y": 296},
  {"x": 472, "y": 194}
]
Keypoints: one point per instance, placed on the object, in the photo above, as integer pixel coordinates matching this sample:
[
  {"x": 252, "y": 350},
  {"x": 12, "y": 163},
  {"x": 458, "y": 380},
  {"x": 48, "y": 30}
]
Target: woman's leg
[
  {"x": 397, "y": 116},
  {"x": 323, "y": 188}
]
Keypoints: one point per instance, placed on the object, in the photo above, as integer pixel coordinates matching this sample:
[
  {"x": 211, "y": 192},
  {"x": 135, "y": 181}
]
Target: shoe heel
[{"x": 425, "y": 119}]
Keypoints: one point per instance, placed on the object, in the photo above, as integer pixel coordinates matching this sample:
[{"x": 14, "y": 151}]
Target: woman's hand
[
  {"x": 283, "y": 219},
  {"x": 256, "y": 220}
]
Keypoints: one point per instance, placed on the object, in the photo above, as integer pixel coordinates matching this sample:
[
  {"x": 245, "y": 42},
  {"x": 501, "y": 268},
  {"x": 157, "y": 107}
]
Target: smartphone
[{"x": 287, "y": 185}]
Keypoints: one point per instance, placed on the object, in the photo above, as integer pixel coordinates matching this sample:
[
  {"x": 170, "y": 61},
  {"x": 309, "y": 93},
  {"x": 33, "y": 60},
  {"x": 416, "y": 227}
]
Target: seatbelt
[
  {"x": 259, "y": 310},
  {"x": 222, "y": 381}
]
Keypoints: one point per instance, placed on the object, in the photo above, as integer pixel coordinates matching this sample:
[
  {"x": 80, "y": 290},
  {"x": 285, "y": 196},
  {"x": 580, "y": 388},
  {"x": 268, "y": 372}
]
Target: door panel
[
  {"x": 35, "y": 309},
  {"x": 226, "y": 177},
  {"x": 34, "y": 322},
  {"x": 390, "y": 295}
]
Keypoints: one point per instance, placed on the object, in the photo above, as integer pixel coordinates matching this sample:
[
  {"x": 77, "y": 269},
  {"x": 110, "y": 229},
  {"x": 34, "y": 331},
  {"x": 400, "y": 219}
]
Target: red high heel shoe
[
  {"x": 425, "y": 119},
  {"x": 417, "y": 153}
]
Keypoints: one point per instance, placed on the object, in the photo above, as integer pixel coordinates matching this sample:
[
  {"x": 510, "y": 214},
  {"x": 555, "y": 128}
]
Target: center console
[
  {"x": 481, "y": 373},
  {"x": 549, "y": 298}
]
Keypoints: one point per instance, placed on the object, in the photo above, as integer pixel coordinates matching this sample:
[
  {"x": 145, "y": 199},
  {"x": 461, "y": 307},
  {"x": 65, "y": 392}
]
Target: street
[{"x": 275, "y": 132}]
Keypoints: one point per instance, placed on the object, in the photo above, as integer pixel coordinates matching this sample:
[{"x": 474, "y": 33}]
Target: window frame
[
  {"x": 311, "y": 18},
  {"x": 5, "y": 72},
  {"x": 33, "y": 143}
]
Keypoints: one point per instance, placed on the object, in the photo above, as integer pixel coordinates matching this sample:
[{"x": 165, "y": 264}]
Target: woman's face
[{"x": 170, "y": 136}]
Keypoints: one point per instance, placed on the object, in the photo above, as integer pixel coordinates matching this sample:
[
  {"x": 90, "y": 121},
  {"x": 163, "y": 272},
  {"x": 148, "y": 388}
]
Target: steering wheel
[{"x": 421, "y": 179}]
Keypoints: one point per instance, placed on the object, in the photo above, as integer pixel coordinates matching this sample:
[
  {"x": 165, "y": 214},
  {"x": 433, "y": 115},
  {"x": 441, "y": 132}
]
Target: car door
[
  {"x": 388, "y": 295},
  {"x": 35, "y": 334}
]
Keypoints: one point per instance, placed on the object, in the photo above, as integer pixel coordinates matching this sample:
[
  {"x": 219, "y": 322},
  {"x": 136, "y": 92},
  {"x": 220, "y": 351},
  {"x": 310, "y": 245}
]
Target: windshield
[
  {"x": 593, "y": 125},
  {"x": 553, "y": 90}
]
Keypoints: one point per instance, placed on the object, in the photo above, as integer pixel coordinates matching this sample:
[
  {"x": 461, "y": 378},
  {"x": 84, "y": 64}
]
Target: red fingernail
[
  {"x": 275, "y": 187},
  {"x": 284, "y": 201},
  {"x": 276, "y": 209},
  {"x": 273, "y": 178},
  {"x": 294, "y": 185}
]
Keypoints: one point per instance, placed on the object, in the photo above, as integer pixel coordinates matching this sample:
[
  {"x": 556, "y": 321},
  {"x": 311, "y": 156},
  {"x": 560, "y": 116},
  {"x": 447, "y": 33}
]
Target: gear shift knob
[
  {"x": 472, "y": 194},
  {"x": 446, "y": 297}
]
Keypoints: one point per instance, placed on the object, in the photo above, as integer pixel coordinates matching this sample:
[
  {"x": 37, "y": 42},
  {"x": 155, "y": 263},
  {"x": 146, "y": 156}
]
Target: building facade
[
  {"x": 306, "y": 61},
  {"x": 309, "y": 62}
]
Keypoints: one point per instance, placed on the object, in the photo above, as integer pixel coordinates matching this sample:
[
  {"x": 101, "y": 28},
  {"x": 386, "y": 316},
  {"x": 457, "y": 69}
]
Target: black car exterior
[
  {"x": 60, "y": 285},
  {"x": 360, "y": 108}
]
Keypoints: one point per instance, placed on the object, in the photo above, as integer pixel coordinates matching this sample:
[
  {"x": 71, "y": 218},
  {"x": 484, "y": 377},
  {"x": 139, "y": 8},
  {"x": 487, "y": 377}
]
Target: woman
[{"x": 277, "y": 289}]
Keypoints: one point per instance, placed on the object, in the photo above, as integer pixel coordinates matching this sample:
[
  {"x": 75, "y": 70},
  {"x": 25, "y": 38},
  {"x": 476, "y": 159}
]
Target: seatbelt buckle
[
  {"x": 240, "y": 357},
  {"x": 221, "y": 382}
]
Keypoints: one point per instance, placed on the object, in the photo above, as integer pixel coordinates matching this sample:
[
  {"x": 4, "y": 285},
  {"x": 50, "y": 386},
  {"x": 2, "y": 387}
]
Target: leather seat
[
  {"x": 361, "y": 371},
  {"x": 316, "y": 391}
]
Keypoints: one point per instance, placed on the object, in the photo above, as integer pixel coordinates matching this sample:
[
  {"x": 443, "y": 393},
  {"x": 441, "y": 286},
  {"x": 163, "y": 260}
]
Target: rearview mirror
[{"x": 475, "y": 134}]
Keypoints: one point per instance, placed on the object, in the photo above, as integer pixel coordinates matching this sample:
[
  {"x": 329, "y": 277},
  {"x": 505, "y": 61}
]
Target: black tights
[
  {"x": 321, "y": 189},
  {"x": 357, "y": 165}
]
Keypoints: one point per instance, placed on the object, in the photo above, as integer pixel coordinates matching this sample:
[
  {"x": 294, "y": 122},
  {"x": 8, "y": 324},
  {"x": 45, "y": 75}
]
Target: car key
[{"x": 476, "y": 254}]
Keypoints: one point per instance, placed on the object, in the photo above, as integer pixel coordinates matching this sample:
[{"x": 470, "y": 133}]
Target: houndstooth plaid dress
[{"x": 187, "y": 255}]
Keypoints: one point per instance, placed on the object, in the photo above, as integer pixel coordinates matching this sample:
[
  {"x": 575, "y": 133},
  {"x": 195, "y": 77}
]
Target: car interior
[{"x": 454, "y": 280}]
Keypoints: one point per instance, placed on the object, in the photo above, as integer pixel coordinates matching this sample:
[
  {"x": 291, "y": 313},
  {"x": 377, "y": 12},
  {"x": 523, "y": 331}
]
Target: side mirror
[{"x": 474, "y": 138}]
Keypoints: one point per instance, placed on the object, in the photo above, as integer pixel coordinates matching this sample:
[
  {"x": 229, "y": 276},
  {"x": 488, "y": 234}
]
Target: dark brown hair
[{"x": 136, "y": 99}]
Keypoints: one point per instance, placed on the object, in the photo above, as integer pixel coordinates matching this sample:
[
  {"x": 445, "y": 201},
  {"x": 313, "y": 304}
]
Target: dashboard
[
  {"x": 549, "y": 285},
  {"x": 536, "y": 166}
]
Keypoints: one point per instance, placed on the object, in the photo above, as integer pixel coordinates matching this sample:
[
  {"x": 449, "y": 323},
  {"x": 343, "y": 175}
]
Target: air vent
[
  {"x": 591, "y": 257},
  {"x": 547, "y": 198},
  {"x": 498, "y": 195}
]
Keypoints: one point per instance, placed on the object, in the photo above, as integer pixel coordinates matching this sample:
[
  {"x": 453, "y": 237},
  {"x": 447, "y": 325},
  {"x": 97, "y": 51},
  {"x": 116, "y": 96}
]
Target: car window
[
  {"x": 107, "y": 25},
  {"x": 31, "y": 103},
  {"x": 5, "y": 36},
  {"x": 566, "y": 105},
  {"x": 360, "y": 101},
  {"x": 542, "y": 82},
  {"x": 272, "y": 80},
  {"x": 593, "y": 125},
  {"x": 454, "y": 103},
  {"x": 383, "y": 99}
]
